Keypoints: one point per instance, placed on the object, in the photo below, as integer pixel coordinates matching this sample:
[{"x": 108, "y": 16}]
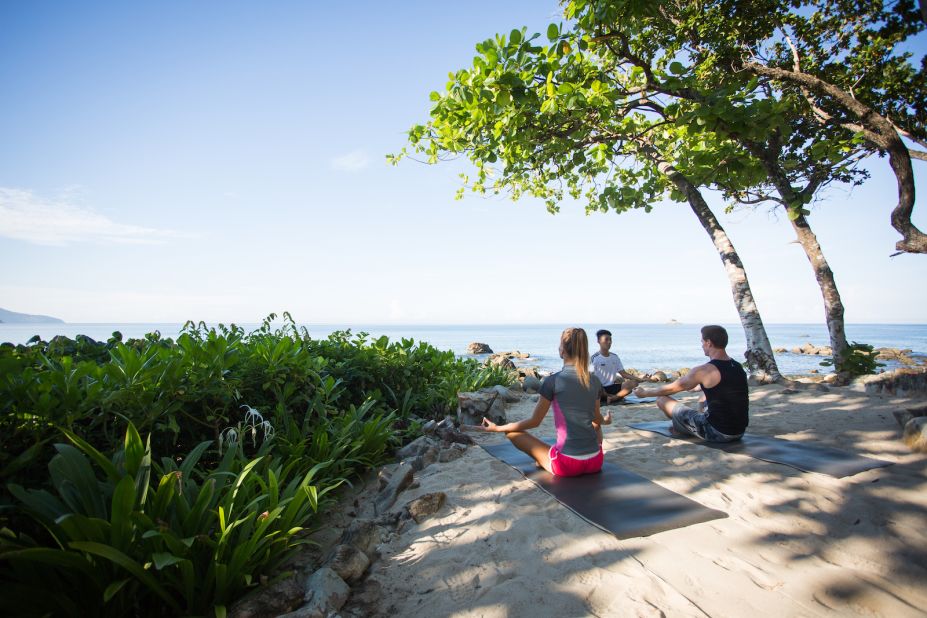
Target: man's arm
[{"x": 687, "y": 382}]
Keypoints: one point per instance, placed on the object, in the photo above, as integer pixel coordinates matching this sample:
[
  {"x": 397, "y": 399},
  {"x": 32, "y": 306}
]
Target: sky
[{"x": 220, "y": 161}]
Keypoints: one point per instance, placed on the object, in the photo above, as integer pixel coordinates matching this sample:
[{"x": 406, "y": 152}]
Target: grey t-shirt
[{"x": 574, "y": 409}]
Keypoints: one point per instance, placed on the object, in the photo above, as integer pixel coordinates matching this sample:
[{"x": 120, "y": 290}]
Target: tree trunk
[
  {"x": 833, "y": 306},
  {"x": 760, "y": 358}
]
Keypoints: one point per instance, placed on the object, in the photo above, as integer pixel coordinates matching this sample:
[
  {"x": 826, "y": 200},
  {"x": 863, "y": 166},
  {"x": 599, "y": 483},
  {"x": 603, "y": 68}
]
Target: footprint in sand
[{"x": 757, "y": 575}]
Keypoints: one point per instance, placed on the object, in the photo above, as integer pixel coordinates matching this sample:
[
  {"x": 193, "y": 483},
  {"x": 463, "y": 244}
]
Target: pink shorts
[{"x": 564, "y": 465}]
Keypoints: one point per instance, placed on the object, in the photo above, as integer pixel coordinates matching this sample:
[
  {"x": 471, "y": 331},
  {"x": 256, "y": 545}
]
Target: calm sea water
[{"x": 647, "y": 347}]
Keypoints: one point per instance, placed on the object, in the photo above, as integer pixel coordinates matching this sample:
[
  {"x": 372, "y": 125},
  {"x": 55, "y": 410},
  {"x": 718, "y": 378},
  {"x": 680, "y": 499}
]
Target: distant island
[{"x": 11, "y": 317}]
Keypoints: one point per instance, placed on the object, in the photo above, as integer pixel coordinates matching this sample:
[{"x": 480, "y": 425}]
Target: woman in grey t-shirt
[{"x": 574, "y": 395}]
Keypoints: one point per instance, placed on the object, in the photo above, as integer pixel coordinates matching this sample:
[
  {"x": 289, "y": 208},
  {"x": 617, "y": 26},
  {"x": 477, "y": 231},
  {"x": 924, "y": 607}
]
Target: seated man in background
[
  {"x": 605, "y": 365},
  {"x": 722, "y": 413}
]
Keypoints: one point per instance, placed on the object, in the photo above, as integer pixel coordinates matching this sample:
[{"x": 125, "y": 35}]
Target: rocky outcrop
[
  {"x": 278, "y": 598},
  {"x": 398, "y": 481},
  {"x": 531, "y": 384},
  {"x": 900, "y": 382},
  {"x": 326, "y": 592},
  {"x": 915, "y": 434},
  {"x": 810, "y": 348},
  {"x": 479, "y": 348},
  {"x": 424, "y": 506},
  {"x": 472, "y": 407},
  {"x": 500, "y": 360}
]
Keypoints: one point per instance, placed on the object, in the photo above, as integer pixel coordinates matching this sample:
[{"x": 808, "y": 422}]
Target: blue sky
[{"x": 220, "y": 161}]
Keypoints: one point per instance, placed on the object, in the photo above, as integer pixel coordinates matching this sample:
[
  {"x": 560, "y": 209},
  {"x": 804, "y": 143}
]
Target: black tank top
[{"x": 728, "y": 402}]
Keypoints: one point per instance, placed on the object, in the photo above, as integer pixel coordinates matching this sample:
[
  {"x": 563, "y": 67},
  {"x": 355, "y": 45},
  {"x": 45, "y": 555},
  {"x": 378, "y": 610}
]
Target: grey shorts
[{"x": 694, "y": 423}]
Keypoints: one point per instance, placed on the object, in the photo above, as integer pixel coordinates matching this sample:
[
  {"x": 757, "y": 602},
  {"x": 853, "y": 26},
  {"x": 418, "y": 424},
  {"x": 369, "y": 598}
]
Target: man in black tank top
[{"x": 722, "y": 414}]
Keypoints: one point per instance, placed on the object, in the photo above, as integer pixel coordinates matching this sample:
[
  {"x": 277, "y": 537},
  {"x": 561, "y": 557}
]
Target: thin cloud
[
  {"x": 58, "y": 222},
  {"x": 354, "y": 161}
]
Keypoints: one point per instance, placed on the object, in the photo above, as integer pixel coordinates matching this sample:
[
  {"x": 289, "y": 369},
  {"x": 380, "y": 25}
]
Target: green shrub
[
  {"x": 191, "y": 544},
  {"x": 119, "y": 534},
  {"x": 860, "y": 360}
]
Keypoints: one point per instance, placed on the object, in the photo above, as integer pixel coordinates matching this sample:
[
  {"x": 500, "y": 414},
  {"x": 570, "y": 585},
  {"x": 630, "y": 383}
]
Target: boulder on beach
[
  {"x": 500, "y": 360},
  {"x": 479, "y": 348},
  {"x": 472, "y": 407}
]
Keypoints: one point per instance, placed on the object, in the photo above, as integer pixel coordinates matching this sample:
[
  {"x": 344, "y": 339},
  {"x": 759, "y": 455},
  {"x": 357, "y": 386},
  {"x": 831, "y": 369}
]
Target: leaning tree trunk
[
  {"x": 878, "y": 131},
  {"x": 760, "y": 358},
  {"x": 833, "y": 306}
]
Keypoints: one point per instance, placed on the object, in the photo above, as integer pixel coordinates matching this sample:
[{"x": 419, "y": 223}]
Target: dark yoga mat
[
  {"x": 615, "y": 500},
  {"x": 804, "y": 456}
]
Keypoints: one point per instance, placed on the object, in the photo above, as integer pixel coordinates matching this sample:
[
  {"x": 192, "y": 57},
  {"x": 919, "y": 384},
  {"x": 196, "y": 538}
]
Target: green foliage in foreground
[
  {"x": 860, "y": 360},
  {"x": 252, "y": 431}
]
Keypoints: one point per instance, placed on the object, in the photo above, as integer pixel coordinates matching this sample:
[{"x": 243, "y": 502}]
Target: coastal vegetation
[
  {"x": 631, "y": 103},
  {"x": 164, "y": 477}
]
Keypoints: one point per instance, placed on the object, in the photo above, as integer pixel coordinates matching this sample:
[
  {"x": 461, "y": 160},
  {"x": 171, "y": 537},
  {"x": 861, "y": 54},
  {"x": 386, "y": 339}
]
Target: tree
[
  {"x": 843, "y": 57},
  {"x": 799, "y": 153},
  {"x": 550, "y": 121}
]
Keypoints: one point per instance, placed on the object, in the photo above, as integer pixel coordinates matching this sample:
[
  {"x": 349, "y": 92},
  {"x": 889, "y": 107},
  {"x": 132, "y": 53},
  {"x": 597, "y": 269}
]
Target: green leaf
[
  {"x": 676, "y": 68},
  {"x": 515, "y": 37},
  {"x": 113, "y": 589},
  {"x": 117, "y": 557},
  {"x": 162, "y": 559},
  {"x": 553, "y": 32},
  {"x": 134, "y": 450}
]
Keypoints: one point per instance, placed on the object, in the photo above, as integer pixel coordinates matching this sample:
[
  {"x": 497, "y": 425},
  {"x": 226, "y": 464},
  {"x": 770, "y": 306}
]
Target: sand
[{"x": 793, "y": 544}]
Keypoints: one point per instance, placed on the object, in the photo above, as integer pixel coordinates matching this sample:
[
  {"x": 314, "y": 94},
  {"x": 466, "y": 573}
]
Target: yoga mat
[
  {"x": 804, "y": 456},
  {"x": 615, "y": 500},
  {"x": 631, "y": 399}
]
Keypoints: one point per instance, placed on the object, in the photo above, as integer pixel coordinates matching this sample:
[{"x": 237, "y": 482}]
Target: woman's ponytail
[{"x": 576, "y": 348}]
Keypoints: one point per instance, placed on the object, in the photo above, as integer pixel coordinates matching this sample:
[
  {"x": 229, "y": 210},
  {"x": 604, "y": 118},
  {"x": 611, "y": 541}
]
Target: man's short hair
[
  {"x": 600, "y": 332},
  {"x": 715, "y": 334}
]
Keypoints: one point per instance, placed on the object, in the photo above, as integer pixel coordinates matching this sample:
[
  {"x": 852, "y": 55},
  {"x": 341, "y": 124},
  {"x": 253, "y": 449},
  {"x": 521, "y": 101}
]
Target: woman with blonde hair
[{"x": 574, "y": 394}]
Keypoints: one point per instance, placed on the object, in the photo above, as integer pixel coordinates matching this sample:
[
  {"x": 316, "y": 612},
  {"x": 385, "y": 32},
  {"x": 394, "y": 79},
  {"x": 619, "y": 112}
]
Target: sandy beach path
[{"x": 793, "y": 544}]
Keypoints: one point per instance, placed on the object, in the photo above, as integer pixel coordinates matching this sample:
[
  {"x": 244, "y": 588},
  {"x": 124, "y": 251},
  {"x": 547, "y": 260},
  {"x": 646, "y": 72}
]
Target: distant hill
[{"x": 11, "y": 317}]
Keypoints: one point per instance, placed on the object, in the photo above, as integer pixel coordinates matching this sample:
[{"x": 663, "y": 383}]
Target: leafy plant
[
  {"x": 859, "y": 361},
  {"x": 192, "y": 544}
]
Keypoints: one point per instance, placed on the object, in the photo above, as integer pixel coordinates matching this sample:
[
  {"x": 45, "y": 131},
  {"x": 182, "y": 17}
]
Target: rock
[
  {"x": 519, "y": 355},
  {"x": 384, "y": 474},
  {"x": 915, "y": 434},
  {"x": 426, "y": 505},
  {"x": 479, "y": 348},
  {"x": 807, "y": 348},
  {"x": 500, "y": 360},
  {"x": 400, "y": 479},
  {"x": 531, "y": 384},
  {"x": 780, "y": 351},
  {"x": 525, "y": 372},
  {"x": 414, "y": 448},
  {"x": 903, "y": 416},
  {"x": 900, "y": 382},
  {"x": 658, "y": 376},
  {"x": 349, "y": 562},
  {"x": 429, "y": 428},
  {"x": 362, "y": 534},
  {"x": 420, "y": 462},
  {"x": 813, "y": 371},
  {"x": 507, "y": 395},
  {"x": 797, "y": 351},
  {"x": 472, "y": 407},
  {"x": 325, "y": 592},
  {"x": 535, "y": 397},
  {"x": 454, "y": 451},
  {"x": 282, "y": 596},
  {"x": 451, "y": 435}
]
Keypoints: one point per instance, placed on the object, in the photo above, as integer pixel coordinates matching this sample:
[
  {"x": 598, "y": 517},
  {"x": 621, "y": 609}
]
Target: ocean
[{"x": 647, "y": 347}]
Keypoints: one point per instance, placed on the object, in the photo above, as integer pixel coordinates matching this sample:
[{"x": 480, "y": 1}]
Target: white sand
[{"x": 793, "y": 544}]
